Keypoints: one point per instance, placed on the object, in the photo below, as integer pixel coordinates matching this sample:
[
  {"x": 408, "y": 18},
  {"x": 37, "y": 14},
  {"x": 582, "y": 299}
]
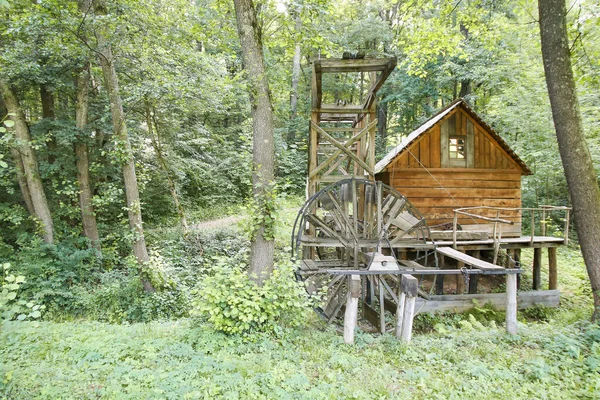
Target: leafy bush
[
  {"x": 234, "y": 304},
  {"x": 11, "y": 305}
]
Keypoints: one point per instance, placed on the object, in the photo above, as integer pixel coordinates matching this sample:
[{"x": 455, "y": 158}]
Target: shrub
[
  {"x": 11, "y": 302},
  {"x": 234, "y": 304}
]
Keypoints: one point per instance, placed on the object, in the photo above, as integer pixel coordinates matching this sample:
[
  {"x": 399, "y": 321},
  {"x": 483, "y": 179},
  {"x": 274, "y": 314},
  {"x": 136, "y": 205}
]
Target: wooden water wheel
[{"x": 359, "y": 225}]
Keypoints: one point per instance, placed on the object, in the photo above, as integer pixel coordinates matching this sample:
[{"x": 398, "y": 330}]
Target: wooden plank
[
  {"x": 460, "y": 173},
  {"x": 462, "y": 303},
  {"x": 371, "y": 315},
  {"x": 353, "y": 65},
  {"x": 552, "y": 269},
  {"x": 434, "y": 146},
  {"x": 460, "y": 235},
  {"x": 460, "y": 202},
  {"x": 474, "y": 262},
  {"x": 470, "y": 147},
  {"x": 430, "y": 182},
  {"x": 444, "y": 137},
  {"x": 413, "y": 159},
  {"x": 478, "y": 149},
  {"x": 465, "y": 192},
  {"x": 424, "y": 151}
]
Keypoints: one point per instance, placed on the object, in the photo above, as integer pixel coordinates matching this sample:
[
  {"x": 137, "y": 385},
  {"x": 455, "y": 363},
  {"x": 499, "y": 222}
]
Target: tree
[
  {"x": 27, "y": 163},
  {"x": 574, "y": 152},
  {"x": 134, "y": 206},
  {"x": 263, "y": 148},
  {"x": 88, "y": 218}
]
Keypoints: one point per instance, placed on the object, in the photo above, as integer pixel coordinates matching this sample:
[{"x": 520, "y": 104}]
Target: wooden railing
[{"x": 544, "y": 210}]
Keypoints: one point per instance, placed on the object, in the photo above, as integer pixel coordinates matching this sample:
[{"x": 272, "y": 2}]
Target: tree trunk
[
  {"x": 30, "y": 170},
  {"x": 48, "y": 112},
  {"x": 154, "y": 139},
  {"x": 263, "y": 150},
  {"x": 134, "y": 207},
  {"x": 20, "y": 172},
  {"x": 295, "y": 80},
  {"x": 88, "y": 218},
  {"x": 574, "y": 152}
]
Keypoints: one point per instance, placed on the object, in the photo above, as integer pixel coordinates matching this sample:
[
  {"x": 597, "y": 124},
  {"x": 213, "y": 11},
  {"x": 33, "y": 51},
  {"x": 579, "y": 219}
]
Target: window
[{"x": 456, "y": 147}]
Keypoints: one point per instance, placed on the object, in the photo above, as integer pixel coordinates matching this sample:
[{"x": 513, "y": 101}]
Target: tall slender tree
[
  {"x": 263, "y": 147},
  {"x": 27, "y": 163},
  {"x": 134, "y": 207},
  {"x": 574, "y": 152},
  {"x": 88, "y": 218}
]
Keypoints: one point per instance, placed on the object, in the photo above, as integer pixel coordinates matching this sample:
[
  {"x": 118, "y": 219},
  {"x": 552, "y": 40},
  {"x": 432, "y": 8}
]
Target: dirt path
[
  {"x": 227, "y": 221},
  {"x": 217, "y": 223}
]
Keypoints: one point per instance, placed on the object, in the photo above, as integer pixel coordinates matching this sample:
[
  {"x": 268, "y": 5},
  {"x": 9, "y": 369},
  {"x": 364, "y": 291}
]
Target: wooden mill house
[{"x": 444, "y": 203}]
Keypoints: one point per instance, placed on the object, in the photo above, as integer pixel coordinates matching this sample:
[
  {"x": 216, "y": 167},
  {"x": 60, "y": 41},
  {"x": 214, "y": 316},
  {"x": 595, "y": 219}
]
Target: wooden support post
[
  {"x": 474, "y": 279},
  {"x": 517, "y": 257},
  {"x": 381, "y": 306},
  {"x": 351, "y": 314},
  {"x": 406, "y": 307},
  {"x": 537, "y": 268},
  {"x": 552, "y": 269},
  {"x": 400, "y": 312},
  {"x": 439, "y": 279},
  {"x": 511, "y": 304},
  {"x": 567, "y": 227},
  {"x": 460, "y": 279}
]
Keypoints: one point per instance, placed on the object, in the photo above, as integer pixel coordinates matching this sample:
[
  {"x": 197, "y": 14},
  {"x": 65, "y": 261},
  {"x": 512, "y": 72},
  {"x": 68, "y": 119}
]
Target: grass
[
  {"x": 179, "y": 360},
  {"x": 555, "y": 355}
]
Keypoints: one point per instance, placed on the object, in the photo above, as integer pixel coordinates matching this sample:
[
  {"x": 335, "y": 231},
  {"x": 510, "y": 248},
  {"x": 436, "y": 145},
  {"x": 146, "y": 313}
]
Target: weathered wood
[
  {"x": 460, "y": 235},
  {"x": 552, "y": 269},
  {"x": 381, "y": 307},
  {"x": 351, "y": 313},
  {"x": 511, "y": 304},
  {"x": 470, "y": 145},
  {"x": 409, "y": 285},
  {"x": 537, "y": 269},
  {"x": 465, "y": 302},
  {"x": 400, "y": 312},
  {"x": 407, "y": 319},
  {"x": 460, "y": 279},
  {"x": 472, "y": 261}
]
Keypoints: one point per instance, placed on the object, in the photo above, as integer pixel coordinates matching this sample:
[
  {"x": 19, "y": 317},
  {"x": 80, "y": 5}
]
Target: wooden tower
[{"x": 342, "y": 132}]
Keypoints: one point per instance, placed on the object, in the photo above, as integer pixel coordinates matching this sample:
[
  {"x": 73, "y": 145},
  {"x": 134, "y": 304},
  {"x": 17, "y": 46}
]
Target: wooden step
[{"x": 468, "y": 260}]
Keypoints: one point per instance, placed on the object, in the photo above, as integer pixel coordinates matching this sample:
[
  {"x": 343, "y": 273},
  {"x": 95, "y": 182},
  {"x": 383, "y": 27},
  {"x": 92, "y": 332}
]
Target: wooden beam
[
  {"x": 354, "y": 65},
  {"x": 511, "y": 304},
  {"x": 351, "y": 313},
  {"x": 316, "y": 87},
  {"x": 472, "y": 261},
  {"x": 537, "y": 269},
  {"x": 465, "y": 302},
  {"x": 552, "y": 269},
  {"x": 370, "y": 98}
]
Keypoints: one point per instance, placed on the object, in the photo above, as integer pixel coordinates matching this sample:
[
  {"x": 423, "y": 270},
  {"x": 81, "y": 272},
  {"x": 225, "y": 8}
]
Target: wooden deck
[{"x": 522, "y": 242}]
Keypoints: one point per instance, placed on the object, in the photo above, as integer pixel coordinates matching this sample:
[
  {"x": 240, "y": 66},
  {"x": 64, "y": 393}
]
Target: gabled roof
[{"x": 414, "y": 135}]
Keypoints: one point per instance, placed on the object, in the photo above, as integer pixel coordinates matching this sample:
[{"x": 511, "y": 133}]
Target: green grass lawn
[
  {"x": 176, "y": 360},
  {"x": 556, "y": 356}
]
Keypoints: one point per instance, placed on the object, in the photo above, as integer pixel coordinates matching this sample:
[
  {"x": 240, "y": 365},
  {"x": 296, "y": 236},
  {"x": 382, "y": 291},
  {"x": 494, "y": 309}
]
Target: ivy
[{"x": 262, "y": 212}]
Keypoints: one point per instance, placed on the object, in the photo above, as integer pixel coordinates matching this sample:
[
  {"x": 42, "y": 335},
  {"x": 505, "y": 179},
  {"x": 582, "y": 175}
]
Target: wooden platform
[{"x": 484, "y": 244}]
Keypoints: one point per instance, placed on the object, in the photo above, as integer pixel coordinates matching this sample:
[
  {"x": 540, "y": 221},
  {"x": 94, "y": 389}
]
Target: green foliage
[
  {"x": 12, "y": 304},
  {"x": 234, "y": 304},
  {"x": 262, "y": 213},
  {"x": 181, "y": 359}
]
